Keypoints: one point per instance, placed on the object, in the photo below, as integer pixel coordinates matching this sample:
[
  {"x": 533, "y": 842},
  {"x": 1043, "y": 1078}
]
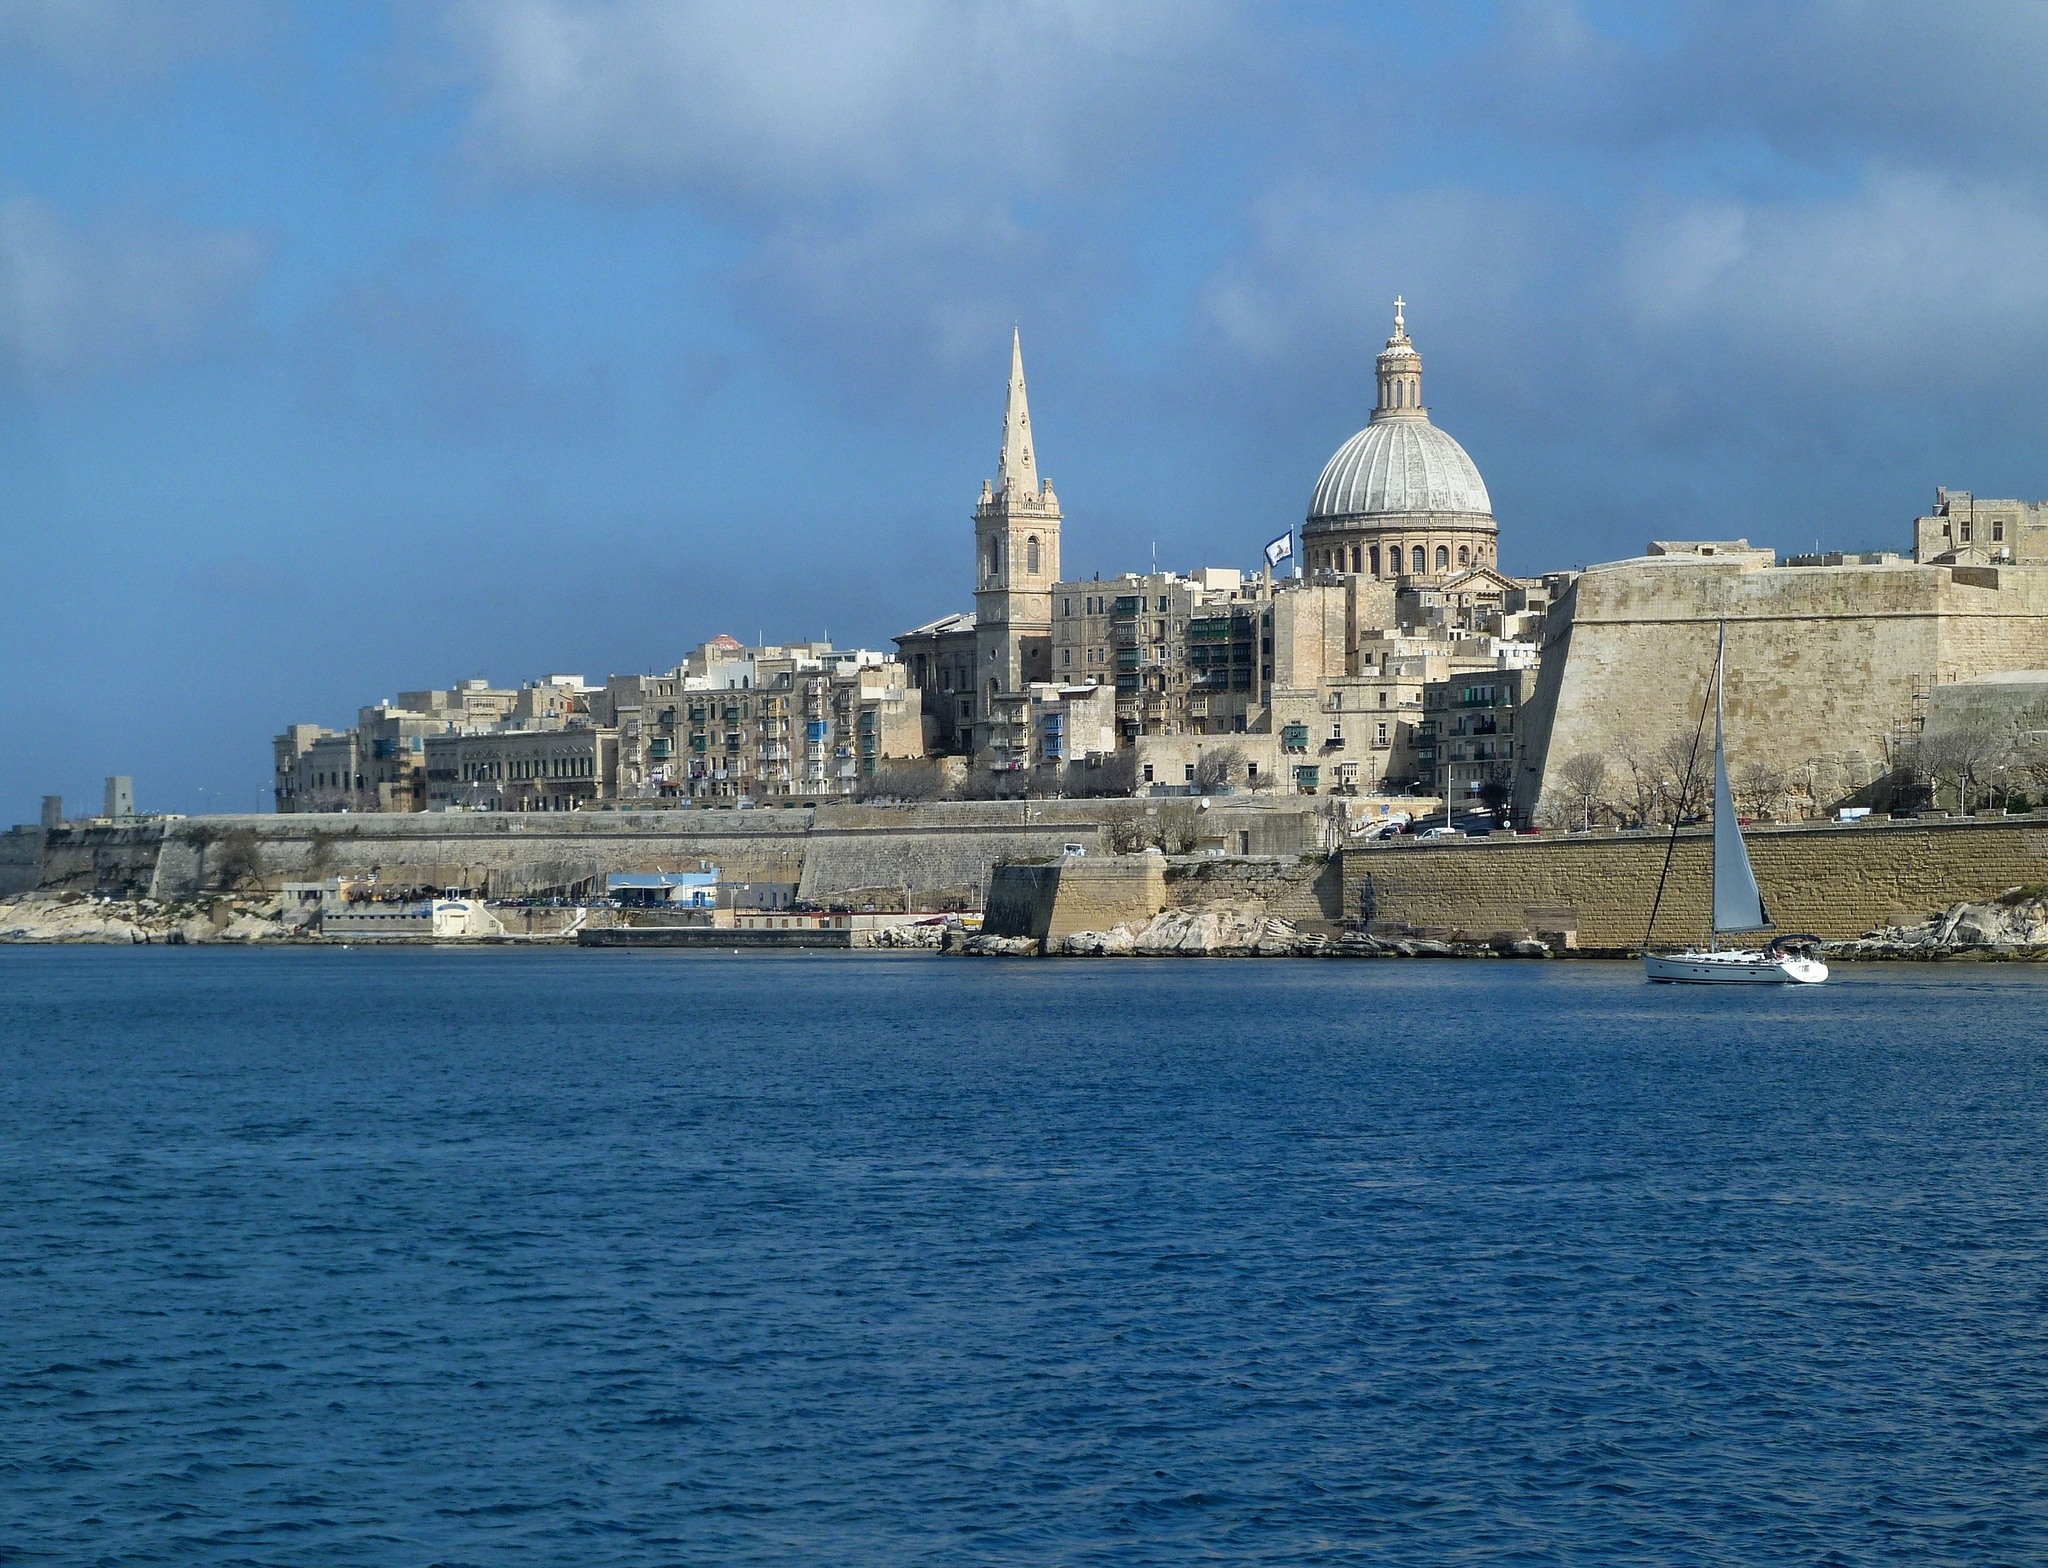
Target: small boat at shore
[{"x": 1738, "y": 907}]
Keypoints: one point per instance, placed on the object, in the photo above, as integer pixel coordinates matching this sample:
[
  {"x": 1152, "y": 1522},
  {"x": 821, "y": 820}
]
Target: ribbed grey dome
[{"x": 1399, "y": 464}]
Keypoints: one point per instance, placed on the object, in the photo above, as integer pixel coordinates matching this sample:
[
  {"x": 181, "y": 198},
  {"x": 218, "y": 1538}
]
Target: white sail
[{"x": 1738, "y": 906}]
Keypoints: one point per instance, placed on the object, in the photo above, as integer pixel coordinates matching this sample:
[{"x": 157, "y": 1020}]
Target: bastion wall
[
  {"x": 1834, "y": 881},
  {"x": 939, "y": 848},
  {"x": 1825, "y": 663}
]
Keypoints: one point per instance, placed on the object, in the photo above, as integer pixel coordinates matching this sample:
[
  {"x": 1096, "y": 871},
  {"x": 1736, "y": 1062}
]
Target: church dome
[{"x": 1400, "y": 463}]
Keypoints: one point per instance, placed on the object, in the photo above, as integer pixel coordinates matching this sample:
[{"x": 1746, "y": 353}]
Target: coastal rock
[
  {"x": 1000, "y": 947},
  {"x": 1116, "y": 942},
  {"x": 927, "y": 938},
  {"x": 2013, "y": 925}
]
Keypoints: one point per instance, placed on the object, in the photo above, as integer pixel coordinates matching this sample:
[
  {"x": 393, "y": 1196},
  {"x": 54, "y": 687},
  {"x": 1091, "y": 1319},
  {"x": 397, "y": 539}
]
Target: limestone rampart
[
  {"x": 938, "y": 848},
  {"x": 1825, "y": 663},
  {"x": 1835, "y": 881}
]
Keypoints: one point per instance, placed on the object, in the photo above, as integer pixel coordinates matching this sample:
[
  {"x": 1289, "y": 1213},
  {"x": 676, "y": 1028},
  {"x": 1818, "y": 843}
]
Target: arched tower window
[
  {"x": 1355, "y": 558},
  {"x": 1374, "y": 555},
  {"x": 1417, "y": 558},
  {"x": 1464, "y": 556},
  {"x": 991, "y": 566},
  {"x": 1443, "y": 558},
  {"x": 1031, "y": 556}
]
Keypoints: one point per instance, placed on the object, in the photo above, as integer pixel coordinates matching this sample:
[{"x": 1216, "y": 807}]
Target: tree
[
  {"x": 905, "y": 781},
  {"x": 240, "y": 859},
  {"x": 1105, "y": 774},
  {"x": 1177, "y": 828},
  {"x": 1219, "y": 769},
  {"x": 1127, "y": 827},
  {"x": 1642, "y": 785},
  {"x": 1583, "y": 778},
  {"x": 1688, "y": 772},
  {"x": 1962, "y": 756},
  {"x": 1758, "y": 787},
  {"x": 1496, "y": 789}
]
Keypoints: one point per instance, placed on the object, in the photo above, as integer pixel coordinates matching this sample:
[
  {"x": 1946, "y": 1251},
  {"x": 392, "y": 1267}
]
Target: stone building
[
  {"x": 1962, "y": 528},
  {"x": 1400, "y": 500}
]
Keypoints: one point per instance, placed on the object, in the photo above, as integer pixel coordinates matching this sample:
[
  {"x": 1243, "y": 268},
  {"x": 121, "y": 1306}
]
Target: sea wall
[
  {"x": 1834, "y": 881},
  {"x": 938, "y": 850}
]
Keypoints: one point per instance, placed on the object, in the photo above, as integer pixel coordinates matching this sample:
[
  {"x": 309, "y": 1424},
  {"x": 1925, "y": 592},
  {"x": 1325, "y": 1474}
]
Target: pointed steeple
[{"x": 1018, "y": 472}]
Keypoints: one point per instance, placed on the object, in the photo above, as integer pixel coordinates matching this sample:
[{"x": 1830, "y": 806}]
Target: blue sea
[{"x": 539, "y": 1257}]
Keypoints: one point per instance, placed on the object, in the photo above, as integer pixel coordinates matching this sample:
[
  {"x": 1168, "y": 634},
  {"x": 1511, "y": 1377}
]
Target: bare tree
[
  {"x": 1106, "y": 774},
  {"x": 1642, "y": 785},
  {"x": 1127, "y": 827},
  {"x": 1688, "y": 771},
  {"x": 240, "y": 860},
  {"x": 1963, "y": 756},
  {"x": 1177, "y": 829},
  {"x": 1219, "y": 769},
  {"x": 1758, "y": 787},
  {"x": 1583, "y": 779},
  {"x": 904, "y": 781}
]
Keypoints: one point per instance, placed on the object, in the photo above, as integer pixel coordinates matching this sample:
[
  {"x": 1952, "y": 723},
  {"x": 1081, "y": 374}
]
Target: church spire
[{"x": 1019, "y": 467}]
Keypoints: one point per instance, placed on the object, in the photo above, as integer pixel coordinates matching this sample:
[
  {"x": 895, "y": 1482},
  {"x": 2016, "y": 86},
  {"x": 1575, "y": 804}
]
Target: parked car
[{"x": 1440, "y": 832}]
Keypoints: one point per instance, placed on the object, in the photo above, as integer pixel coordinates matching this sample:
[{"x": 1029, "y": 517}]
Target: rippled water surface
[{"x": 579, "y": 1257}]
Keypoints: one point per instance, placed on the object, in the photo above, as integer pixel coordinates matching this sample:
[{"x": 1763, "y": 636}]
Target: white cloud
[
  {"x": 762, "y": 99},
  {"x": 1905, "y": 276},
  {"x": 77, "y": 299}
]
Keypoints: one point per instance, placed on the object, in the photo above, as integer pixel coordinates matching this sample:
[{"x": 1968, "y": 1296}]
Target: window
[
  {"x": 1997, "y": 529},
  {"x": 1066, "y": 605},
  {"x": 1162, "y": 599},
  {"x": 1066, "y": 654},
  {"x": 1464, "y": 556},
  {"x": 1354, "y": 558},
  {"x": 1030, "y": 556},
  {"x": 1418, "y": 560},
  {"x": 1443, "y": 558},
  {"x": 1148, "y": 766},
  {"x": 1963, "y": 530},
  {"x": 1375, "y": 556},
  {"x": 1190, "y": 771}
]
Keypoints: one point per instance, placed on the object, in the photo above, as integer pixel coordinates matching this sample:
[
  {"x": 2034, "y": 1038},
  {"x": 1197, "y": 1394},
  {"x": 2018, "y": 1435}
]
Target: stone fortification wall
[
  {"x": 501, "y": 855},
  {"x": 21, "y": 861},
  {"x": 1824, "y": 662},
  {"x": 1836, "y": 882},
  {"x": 1057, "y": 899},
  {"x": 936, "y": 848},
  {"x": 1308, "y": 892}
]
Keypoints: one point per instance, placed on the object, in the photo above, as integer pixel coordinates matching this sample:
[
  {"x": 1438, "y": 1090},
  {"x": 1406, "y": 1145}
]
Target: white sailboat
[{"x": 1738, "y": 906}]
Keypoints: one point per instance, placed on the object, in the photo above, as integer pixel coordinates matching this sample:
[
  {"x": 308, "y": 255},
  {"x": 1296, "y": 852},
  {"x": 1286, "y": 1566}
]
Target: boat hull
[{"x": 1733, "y": 968}]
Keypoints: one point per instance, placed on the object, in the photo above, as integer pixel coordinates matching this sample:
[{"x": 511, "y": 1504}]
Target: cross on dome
[{"x": 1400, "y": 326}]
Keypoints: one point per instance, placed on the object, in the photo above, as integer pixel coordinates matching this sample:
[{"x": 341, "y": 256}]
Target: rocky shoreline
[
  {"x": 75, "y": 917},
  {"x": 2013, "y": 927}
]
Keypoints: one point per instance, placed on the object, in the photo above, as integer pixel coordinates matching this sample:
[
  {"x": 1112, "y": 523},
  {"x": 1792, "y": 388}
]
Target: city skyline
[{"x": 348, "y": 352}]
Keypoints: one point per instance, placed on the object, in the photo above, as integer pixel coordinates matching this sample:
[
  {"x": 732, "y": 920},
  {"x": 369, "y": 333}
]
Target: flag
[{"x": 1280, "y": 549}]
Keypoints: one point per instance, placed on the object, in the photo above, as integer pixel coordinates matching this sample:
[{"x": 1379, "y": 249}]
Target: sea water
[{"x": 412, "y": 1257}]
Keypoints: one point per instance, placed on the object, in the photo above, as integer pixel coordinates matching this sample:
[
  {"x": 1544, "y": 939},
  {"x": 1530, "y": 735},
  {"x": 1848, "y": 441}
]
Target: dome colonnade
[{"x": 1400, "y": 499}]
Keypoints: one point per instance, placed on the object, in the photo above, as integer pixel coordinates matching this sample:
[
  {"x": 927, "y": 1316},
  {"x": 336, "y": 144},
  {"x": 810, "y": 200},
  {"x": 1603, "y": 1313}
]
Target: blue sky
[{"x": 346, "y": 349}]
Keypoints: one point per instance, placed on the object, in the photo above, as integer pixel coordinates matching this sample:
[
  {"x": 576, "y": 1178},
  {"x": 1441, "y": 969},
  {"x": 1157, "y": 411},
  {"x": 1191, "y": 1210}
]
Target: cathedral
[{"x": 1400, "y": 501}]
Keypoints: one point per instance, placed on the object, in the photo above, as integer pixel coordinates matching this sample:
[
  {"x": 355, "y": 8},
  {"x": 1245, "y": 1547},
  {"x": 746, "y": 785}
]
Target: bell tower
[{"x": 1016, "y": 561}]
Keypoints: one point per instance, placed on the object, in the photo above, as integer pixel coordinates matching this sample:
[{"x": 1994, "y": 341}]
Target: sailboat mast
[{"x": 1685, "y": 788}]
